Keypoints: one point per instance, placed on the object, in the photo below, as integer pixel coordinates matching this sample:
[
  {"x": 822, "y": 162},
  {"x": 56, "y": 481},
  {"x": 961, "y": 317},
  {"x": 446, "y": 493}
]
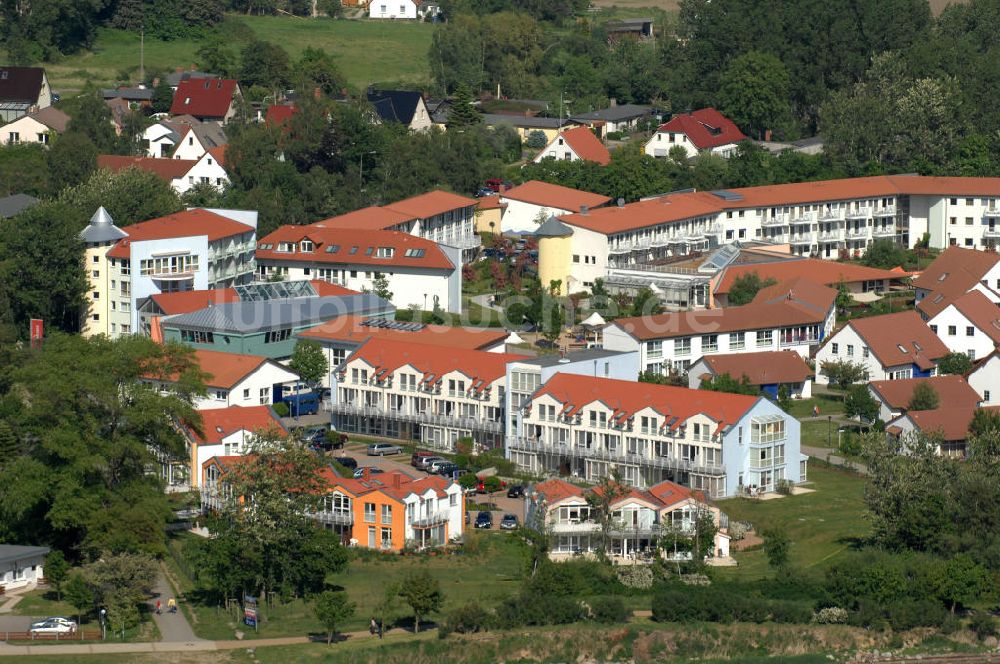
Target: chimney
[
  {"x": 397, "y": 480},
  {"x": 584, "y": 209},
  {"x": 366, "y": 474}
]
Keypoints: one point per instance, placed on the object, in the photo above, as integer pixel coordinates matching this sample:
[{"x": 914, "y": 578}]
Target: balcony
[
  {"x": 776, "y": 220},
  {"x": 801, "y": 239},
  {"x": 620, "y": 248},
  {"x": 991, "y": 231},
  {"x": 883, "y": 231},
  {"x": 885, "y": 211},
  {"x": 430, "y": 520},
  {"x": 803, "y": 219},
  {"x": 168, "y": 275},
  {"x": 574, "y": 527},
  {"x": 857, "y": 233},
  {"x": 633, "y": 530},
  {"x": 473, "y": 424},
  {"x": 992, "y": 212},
  {"x": 831, "y": 215},
  {"x": 522, "y": 444},
  {"x": 832, "y": 236},
  {"x": 334, "y": 517},
  {"x": 860, "y": 213}
]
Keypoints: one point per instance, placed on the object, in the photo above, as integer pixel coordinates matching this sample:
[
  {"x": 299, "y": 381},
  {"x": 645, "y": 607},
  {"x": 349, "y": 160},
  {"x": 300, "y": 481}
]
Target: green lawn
[
  {"x": 40, "y": 603},
  {"x": 490, "y": 567},
  {"x": 821, "y": 525},
  {"x": 366, "y": 51}
]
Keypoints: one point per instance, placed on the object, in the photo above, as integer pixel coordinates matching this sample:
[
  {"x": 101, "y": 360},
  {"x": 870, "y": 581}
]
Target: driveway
[{"x": 20, "y": 623}]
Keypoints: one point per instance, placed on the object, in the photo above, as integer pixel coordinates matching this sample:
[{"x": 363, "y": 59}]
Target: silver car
[
  {"x": 53, "y": 626},
  {"x": 384, "y": 449},
  {"x": 426, "y": 463}
]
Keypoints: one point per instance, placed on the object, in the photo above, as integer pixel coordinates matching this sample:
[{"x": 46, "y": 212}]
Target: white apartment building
[
  {"x": 531, "y": 204},
  {"x": 830, "y": 219},
  {"x": 419, "y": 272},
  {"x": 431, "y": 394},
  {"x": 969, "y": 325},
  {"x": 224, "y": 432},
  {"x": 192, "y": 250},
  {"x": 794, "y": 316},
  {"x": 438, "y": 216},
  {"x": 719, "y": 443},
  {"x": 890, "y": 347}
]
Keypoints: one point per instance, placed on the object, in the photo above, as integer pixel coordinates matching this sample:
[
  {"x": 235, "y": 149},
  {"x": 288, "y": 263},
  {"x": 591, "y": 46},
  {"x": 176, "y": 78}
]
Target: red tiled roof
[
  {"x": 706, "y": 128},
  {"x": 279, "y": 114},
  {"x": 352, "y": 329},
  {"x": 326, "y": 289},
  {"x": 900, "y": 338},
  {"x": 670, "y": 493},
  {"x": 952, "y": 424},
  {"x": 490, "y": 203},
  {"x": 219, "y": 153},
  {"x": 369, "y": 218},
  {"x": 625, "y": 398},
  {"x": 953, "y": 273},
  {"x": 360, "y": 241},
  {"x": 799, "y": 290},
  {"x": 952, "y": 391},
  {"x": 218, "y": 423},
  {"x": 981, "y": 312},
  {"x": 555, "y": 490},
  {"x": 189, "y": 223},
  {"x": 203, "y": 97},
  {"x": 481, "y": 367},
  {"x": 828, "y": 273},
  {"x": 585, "y": 144},
  {"x": 184, "y": 302},
  {"x": 432, "y": 203},
  {"x": 556, "y": 196},
  {"x": 675, "y": 207},
  {"x": 223, "y": 370},
  {"x": 763, "y": 368},
  {"x": 394, "y": 484},
  {"x": 165, "y": 169}
]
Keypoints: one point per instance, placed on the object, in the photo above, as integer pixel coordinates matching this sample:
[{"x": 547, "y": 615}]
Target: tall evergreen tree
[{"x": 463, "y": 113}]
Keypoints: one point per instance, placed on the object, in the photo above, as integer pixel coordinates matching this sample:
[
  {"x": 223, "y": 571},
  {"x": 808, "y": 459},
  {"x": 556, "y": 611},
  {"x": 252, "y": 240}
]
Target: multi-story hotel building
[
  {"x": 829, "y": 219},
  {"x": 192, "y": 250},
  {"x": 719, "y": 443},
  {"x": 431, "y": 394}
]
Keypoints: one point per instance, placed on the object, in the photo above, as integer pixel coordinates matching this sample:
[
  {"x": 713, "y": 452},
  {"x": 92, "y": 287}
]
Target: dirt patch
[{"x": 749, "y": 540}]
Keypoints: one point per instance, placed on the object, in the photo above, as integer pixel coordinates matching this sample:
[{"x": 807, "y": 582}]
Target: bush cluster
[
  {"x": 722, "y": 605},
  {"x": 608, "y": 610}
]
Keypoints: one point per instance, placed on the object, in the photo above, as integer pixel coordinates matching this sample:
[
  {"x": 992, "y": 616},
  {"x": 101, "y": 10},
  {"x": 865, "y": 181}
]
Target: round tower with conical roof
[
  {"x": 99, "y": 236},
  {"x": 555, "y": 243}
]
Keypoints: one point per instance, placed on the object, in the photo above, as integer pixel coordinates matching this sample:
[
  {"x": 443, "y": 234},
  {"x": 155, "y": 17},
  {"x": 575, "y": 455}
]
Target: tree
[
  {"x": 844, "y": 299},
  {"x": 93, "y": 120},
  {"x": 776, "y": 547},
  {"x": 318, "y": 69},
  {"x": 463, "y": 113},
  {"x": 960, "y": 581},
  {"x": 553, "y": 314},
  {"x": 56, "y": 571},
  {"x": 163, "y": 96},
  {"x": 726, "y": 383},
  {"x": 10, "y": 446},
  {"x": 309, "y": 362},
  {"x": 745, "y": 288},
  {"x": 785, "y": 398},
  {"x": 129, "y": 196},
  {"x": 754, "y": 92},
  {"x": 380, "y": 286},
  {"x": 843, "y": 373},
  {"x": 333, "y": 608},
  {"x": 885, "y": 254},
  {"x": 264, "y": 64},
  {"x": 79, "y": 595},
  {"x": 121, "y": 582},
  {"x": 924, "y": 397},
  {"x": 954, "y": 363},
  {"x": 422, "y": 593},
  {"x": 536, "y": 140},
  {"x": 861, "y": 404},
  {"x": 71, "y": 160},
  {"x": 645, "y": 303}
]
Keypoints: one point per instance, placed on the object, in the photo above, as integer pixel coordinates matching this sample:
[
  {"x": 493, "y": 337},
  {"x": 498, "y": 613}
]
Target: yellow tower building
[
  {"x": 98, "y": 237},
  {"x": 555, "y": 247}
]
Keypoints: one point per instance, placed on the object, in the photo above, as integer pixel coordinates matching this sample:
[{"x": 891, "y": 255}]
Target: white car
[{"x": 53, "y": 626}]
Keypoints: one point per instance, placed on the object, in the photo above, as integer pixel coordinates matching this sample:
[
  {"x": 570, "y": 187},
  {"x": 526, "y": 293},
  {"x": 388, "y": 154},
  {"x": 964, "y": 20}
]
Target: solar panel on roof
[
  {"x": 727, "y": 195},
  {"x": 280, "y": 290}
]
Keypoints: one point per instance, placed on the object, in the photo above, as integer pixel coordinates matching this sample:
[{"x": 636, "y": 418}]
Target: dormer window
[
  {"x": 286, "y": 247},
  {"x": 306, "y": 246},
  {"x": 384, "y": 252}
]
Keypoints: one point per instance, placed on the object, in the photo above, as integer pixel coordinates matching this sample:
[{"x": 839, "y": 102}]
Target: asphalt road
[{"x": 401, "y": 463}]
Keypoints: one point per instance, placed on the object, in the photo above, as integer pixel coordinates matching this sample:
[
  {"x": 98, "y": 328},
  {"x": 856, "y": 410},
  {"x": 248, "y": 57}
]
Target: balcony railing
[
  {"x": 883, "y": 231},
  {"x": 831, "y": 236},
  {"x": 801, "y": 239},
  {"x": 992, "y": 211},
  {"x": 857, "y": 232},
  {"x": 474, "y": 424},
  {"x": 885, "y": 211},
  {"x": 831, "y": 215},
  {"x": 520, "y": 443},
  {"x": 992, "y": 231},
  {"x": 860, "y": 213},
  {"x": 570, "y": 527},
  {"x": 335, "y": 517},
  {"x": 630, "y": 530},
  {"x": 776, "y": 220},
  {"x": 430, "y": 520},
  {"x": 804, "y": 218}
]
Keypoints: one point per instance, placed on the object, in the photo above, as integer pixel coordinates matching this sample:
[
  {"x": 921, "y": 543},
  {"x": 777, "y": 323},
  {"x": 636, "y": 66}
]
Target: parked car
[
  {"x": 53, "y": 626},
  {"x": 302, "y": 403},
  {"x": 347, "y": 462},
  {"x": 484, "y": 520},
  {"x": 417, "y": 458},
  {"x": 360, "y": 472},
  {"x": 434, "y": 466},
  {"x": 508, "y": 522},
  {"x": 516, "y": 491},
  {"x": 425, "y": 463},
  {"x": 384, "y": 449},
  {"x": 446, "y": 469}
]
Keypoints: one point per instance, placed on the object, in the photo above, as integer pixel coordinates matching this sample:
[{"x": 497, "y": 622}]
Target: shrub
[
  {"x": 638, "y": 577},
  {"x": 614, "y": 135},
  {"x": 608, "y": 610},
  {"x": 831, "y": 615},
  {"x": 794, "y": 613},
  {"x": 281, "y": 409},
  {"x": 983, "y": 625},
  {"x": 468, "y": 619},
  {"x": 917, "y": 613},
  {"x": 529, "y": 609},
  {"x": 783, "y": 487}
]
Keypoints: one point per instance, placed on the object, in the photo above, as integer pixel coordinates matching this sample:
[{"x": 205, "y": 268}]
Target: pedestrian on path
[
  {"x": 157, "y": 607},
  {"x": 372, "y": 626},
  {"x": 171, "y": 605}
]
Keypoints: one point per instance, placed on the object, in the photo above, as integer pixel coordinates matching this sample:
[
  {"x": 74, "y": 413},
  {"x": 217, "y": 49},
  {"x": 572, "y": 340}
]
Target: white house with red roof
[
  {"x": 531, "y": 204},
  {"x": 207, "y": 98},
  {"x": 970, "y": 324},
  {"x": 575, "y": 144},
  {"x": 419, "y": 272},
  {"x": 642, "y": 522},
  {"x": 413, "y": 391},
  {"x": 719, "y": 443},
  {"x": 222, "y": 432},
  {"x": 704, "y": 130},
  {"x": 181, "y": 174},
  {"x": 195, "y": 249}
]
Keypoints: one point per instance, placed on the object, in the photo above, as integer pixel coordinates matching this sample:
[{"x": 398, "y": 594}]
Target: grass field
[
  {"x": 366, "y": 51},
  {"x": 821, "y": 525}
]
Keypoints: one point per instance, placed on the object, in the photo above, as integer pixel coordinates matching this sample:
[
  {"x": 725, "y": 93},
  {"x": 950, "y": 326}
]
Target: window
[
  {"x": 968, "y": 221},
  {"x": 971, "y": 354},
  {"x": 386, "y": 538},
  {"x": 850, "y": 350},
  {"x": 384, "y": 252},
  {"x": 986, "y": 395},
  {"x": 710, "y": 343},
  {"x": 576, "y": 258},
  {"x": 954, "y": 201},
  {"x": 765, "y": 339},
  {"x": 369, "y": 512},
  {"x": 306, "y": 245},
  {"x": 835, "y": 348},
  {"x": 221, "y": 395},
  {"x": 682, "y": 346},
  {"x": 737, "y": 341},
  {"x": 654, "y": 349},
  {"x": 934, "y": 329},
  {"x": 952, "y": 330},
  {"x": 246, "y": 393},
  {"x": 970, "y": 331},
  {"x": 952, "y": 220},
  {"x": 387, "y": 515},
  {"x": 15, "y": 137},
  {"x": 263, "y": 396},
  {"x": 197, "y": 337},
  {"x": 864, "y": 351},
  {"x": 274, "y": 336},
  {"x": 97, "y": 295}
]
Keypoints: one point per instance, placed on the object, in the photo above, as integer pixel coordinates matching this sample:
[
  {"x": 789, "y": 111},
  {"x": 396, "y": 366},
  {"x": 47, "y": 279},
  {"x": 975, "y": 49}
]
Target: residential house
[
  {"x": 970, "y": 324},
  {"x": 267, "y": 318},
  {"x": 575, "y": 144},
  {"x": 431, "y": 394},
  {"x": 393, "y": 8},
  {"x": 174, "y": 78},
  {"x": 233, "y": 380},
  {"x": 624, "y": 118},
  {"x": 35, "y": 127},
  {"x": 22, "y": 91},
  {"x": 278, "y": 115},
  {"x": 207, "y": 99},
  {"x": 181, "y": 174},
  {"x": 526, "y": 124},
  {"x": 418, "y": 272},
  {"x": 135, "y": 97},
  {"x": 192, "y": 250},
  {"x": 392, "y": 511},
  {"x": 161, "y": 138},
  {"x": 489, "y": 214},
  {"x": 641, "y": 521},
  {"x": 636, "y": 29},
  {"x": 343, "y": 335},
  {"x": 439, "y": 216},
  {"x": 223, "y": 432},
  {"x": 796, "y": 316},
  {"x": 720, "y": 443},
  {"x": 21, "y": 566},
  {"x": 405, "y": 107},
  {"x": 197, "y": 139},
  {"x": 704, "y": 130},
  {"x": 894, "y": 396},
  {"x": 15, "y": 204},
  {"x": 985, "y": 379},
  {"x": 890, "y": 347},
  {"x": 947, "y": 427},
  {"x": 955, "y": 272},
  {"x": 768, "y": 371},
  {"x": 531, "y": 204}
]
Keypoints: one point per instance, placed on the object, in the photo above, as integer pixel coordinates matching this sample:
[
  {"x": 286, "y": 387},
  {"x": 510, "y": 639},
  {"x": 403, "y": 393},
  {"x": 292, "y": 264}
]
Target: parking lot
[{"x": 401, "y": 463}]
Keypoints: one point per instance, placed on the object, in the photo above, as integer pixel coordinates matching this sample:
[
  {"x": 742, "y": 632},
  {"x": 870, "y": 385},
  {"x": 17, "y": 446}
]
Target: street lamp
[
  {"x": 829, "y": 430},
  {"x": 104, "y": 633}
]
